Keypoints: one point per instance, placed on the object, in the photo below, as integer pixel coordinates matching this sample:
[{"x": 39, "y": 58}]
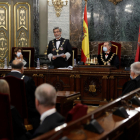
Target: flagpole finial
[{"x": 85, "y": 0}]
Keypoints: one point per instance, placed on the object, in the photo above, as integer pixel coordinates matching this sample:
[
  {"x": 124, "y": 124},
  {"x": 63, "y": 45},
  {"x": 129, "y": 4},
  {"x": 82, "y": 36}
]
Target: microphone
[{"x": 81, "y": 62}]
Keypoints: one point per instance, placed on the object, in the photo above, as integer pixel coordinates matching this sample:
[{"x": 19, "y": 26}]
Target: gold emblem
[
  {"x": 92, "y": 88},
  {"x": 115, "y": 1}
]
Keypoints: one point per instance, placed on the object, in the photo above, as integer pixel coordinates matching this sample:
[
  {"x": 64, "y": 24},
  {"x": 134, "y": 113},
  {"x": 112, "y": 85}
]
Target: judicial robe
[
  {"x": 131, "y": 85},
  {"x": 112, "y": 58},
  {"x": 64, "y": 47}
]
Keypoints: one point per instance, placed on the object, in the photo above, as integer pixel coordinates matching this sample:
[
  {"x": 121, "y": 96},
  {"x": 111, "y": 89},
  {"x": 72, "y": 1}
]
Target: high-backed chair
[
  {"x": 6, "y": 130},
  {"x": 115, "y": 48},
  {"x": 77, "y": 112},
  {"x": 18, "y": 97},
  {"x": 28, "y": 53}
]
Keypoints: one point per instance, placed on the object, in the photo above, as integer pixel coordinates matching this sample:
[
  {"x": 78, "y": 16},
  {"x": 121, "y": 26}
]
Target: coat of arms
[{"x": 115, "y": 1}]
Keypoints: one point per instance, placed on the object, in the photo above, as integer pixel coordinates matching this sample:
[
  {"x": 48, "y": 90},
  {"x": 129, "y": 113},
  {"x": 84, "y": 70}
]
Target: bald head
[
  {"x": 46, "y": 95},
  {"x": 18, "y": 65},
  {"x": 4, "y": 86}
]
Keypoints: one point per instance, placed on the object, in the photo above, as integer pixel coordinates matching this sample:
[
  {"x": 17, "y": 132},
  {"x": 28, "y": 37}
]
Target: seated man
[
  {"x": 134, "y": 83},
  {"x": 45, "y": 104},
  {"x": 19, "y": 130},
  {"x": 59, "y": 46},
  {"x": 18, "y": 55},
  {"x": 107, "y": 57},
  {"x": 17, "y": 71}
]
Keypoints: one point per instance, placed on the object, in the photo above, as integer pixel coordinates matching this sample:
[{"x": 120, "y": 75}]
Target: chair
[
  {"x": 116, "y": 48},
  {"x": 18, "y": 97},
  {"x": 28, "y": 52},
  {"x": 6, "y": 130},
  {"x": 77, "y": 112}
]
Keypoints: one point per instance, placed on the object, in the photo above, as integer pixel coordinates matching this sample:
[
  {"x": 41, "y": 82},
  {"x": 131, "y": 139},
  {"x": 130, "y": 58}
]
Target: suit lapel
[{"x": 55, "y": 43}]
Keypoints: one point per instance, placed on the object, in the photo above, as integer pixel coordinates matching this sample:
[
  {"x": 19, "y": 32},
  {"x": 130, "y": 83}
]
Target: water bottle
[
  {"x": 74, "y": 62},
  {"x": 38, "y": 63},
  {"x": 5, "y": 63}
]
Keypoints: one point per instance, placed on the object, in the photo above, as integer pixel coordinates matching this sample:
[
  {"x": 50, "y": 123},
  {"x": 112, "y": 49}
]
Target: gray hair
[
  {"x": 109, "y": 43},
  {"x": 46, "y": 95},
  {"x": 135, "y": 67},
  {"x": 4, "y": 87},
  {"x": 57, "y": 28}
]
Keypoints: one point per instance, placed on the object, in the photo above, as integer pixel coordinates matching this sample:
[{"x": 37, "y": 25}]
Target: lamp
[{"x": 58, "y": 5}]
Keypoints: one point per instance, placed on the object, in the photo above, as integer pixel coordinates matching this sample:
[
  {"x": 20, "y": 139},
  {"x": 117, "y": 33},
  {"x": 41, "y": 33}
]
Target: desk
[
  {"x": 64, "y": 102},
  {"x": 96, "y": 84}
]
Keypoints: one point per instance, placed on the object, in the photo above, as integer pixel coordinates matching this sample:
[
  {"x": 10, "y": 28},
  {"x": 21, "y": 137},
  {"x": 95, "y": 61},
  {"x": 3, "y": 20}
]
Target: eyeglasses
[{"x": 56, "y": 32}]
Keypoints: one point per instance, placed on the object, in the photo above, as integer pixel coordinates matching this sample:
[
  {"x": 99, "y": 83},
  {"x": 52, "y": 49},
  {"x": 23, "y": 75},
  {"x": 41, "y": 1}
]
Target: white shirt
[
  {"x": 15, "y": 71},
  {"x": 57, "y": 43},
  {"x": 46, "y": 114}
]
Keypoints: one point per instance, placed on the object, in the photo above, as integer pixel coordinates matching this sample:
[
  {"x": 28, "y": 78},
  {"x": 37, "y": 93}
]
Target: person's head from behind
[
  {"x": 18, "y": 65},
  {"x": 57, "y": 32},
  {"x": 107, "y": 46},
  {"x": 134, "y": 70},
  {"x": 4, "y": 87},
  {"x": 17, "y": 51},
  {"x": 45, "y": 97}
]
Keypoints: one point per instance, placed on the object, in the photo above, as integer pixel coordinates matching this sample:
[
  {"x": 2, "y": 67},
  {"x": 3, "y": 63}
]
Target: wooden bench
[{"x": 115, "y": 127}]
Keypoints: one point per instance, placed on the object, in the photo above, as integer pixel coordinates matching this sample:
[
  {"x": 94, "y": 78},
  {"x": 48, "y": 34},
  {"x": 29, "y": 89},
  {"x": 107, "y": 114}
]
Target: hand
[
  {"x": 53, "y": 57},
  {"x": 64, "y": 56},
  {"x": 21, "y": 57}
]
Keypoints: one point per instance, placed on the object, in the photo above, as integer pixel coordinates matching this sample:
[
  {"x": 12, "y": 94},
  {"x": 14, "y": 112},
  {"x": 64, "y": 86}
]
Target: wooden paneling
[{"x": 96, "y": 84}]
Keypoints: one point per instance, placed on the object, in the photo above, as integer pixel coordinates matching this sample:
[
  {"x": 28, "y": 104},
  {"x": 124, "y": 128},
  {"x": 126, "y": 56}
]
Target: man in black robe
[
  {"x": 45, "y": 104},
  {"x": 107, "y": 57},
  {"x": 17, "y": 71},
  {"x": 134, "y": 83},
  {"x": 59, "y": 46}
]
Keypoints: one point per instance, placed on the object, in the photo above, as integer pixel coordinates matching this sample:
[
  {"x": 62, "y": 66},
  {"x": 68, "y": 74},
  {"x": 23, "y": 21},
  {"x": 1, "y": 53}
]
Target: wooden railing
[{"x": 115, "y": 127}]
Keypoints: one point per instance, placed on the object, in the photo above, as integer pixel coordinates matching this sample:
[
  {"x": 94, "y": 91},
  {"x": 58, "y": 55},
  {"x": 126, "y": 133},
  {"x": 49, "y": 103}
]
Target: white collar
[
  {"x": 59, "y": 38},
  {"x": 15, "y": 71},
  {"x": 47, "y": 113}
]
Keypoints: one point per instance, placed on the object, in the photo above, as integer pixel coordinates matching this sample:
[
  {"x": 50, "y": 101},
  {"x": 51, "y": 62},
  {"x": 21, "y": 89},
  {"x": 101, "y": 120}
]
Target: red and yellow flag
[
  {"x": 85, "y": 38},
  {"x": 137, "y": 56}
]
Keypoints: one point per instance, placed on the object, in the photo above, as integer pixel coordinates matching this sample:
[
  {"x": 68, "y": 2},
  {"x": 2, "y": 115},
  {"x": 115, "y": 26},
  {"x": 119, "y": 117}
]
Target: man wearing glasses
[{"x": 59, "y": 49}]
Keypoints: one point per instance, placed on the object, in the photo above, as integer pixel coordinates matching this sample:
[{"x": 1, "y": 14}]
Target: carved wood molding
[{"x": 115, "y": 1}]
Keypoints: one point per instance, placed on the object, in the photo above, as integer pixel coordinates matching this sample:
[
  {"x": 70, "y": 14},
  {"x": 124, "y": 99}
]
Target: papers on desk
[
  {"x": 66, "y": 68},
  {"x": 59, "y": 55}
]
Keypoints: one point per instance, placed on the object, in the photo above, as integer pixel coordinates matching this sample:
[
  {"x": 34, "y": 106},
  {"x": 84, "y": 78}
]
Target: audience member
[
  {"x": 17, "y": 71},
  {"x": 19, "y": 130},
  {"x": 45, "y": 102},
  {"x": 134, "y": 83}
]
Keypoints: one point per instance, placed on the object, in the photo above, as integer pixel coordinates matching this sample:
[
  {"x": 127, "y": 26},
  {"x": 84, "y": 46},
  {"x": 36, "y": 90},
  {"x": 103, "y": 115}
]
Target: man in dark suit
[
  {"x": 17, "y": 71},
  {"x": 107, "y": 57},
  {"x": 134, "y": 83},
  {"x": 45, "y": 104},
  {"x": 59, "y": 46}
]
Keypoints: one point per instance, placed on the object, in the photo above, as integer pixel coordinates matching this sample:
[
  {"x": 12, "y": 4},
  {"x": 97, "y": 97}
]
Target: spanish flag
[
  {"x": 85, "y": 38},
  {"x": 137, "y": 56}
]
